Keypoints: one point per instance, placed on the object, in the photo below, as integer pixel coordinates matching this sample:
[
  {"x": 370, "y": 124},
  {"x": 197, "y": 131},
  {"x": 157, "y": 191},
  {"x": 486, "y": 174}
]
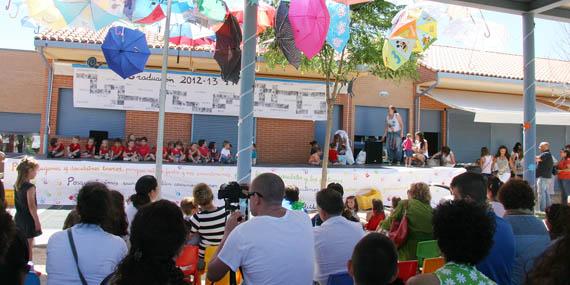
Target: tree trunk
[{"x": 326, "y": 147}]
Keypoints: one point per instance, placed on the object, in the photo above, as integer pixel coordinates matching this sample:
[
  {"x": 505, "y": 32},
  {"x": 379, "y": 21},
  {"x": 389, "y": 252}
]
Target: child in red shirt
[
  {"x": 89, "y": 149},
  {"x": 117, "y": 150},
  {"x": 143, "y": 150},
  {"x": 333, "y": 153},
  {"x": 56, "y": 148},
  {"x": 130, "y": 153},
  {"x": 377, "y": 216},
  {"x": 407, "y": 145},
  {"x": 74, "y": 149},
  {"x": 203, "y": 151},
  {"x": 103, "y": 150},
  {"x": 177, "y": 153}
]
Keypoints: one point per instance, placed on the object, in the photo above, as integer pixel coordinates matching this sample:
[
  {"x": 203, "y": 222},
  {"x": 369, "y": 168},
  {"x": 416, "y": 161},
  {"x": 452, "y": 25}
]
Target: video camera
[{"x": 232, "y": 193}]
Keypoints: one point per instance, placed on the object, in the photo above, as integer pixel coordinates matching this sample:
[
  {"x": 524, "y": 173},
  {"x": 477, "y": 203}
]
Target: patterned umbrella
[
  {"x": 148, "y": 12},
  {"x": 228, "y": 52},
  {"x": 339, "y": 28},
  {"x": 190, "y": 34},
  {"x": 46, "y": 14},
  {"x": 310, "y": 22},
  {"x": 213, "y": 9},
  {"x": 397, "y": 51},
  {"x": 265, "y": 13},
  {"x": 284, "y": 35},
  {"x": 426, "y": 29},
  {"x": 91, "y": 14}
]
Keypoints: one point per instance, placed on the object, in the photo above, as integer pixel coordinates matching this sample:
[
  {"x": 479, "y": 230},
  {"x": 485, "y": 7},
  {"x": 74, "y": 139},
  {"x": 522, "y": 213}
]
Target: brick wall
[
  {"x": 23, "y": 81},
  {"x": 428, "y": 103},
  {"x": 283, "y": 141},
  {"x": 176, "y": 126}
]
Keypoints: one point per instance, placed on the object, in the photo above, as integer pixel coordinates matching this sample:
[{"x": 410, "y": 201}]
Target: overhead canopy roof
[
  {"x": 498, "y": 108},
  {"x": 557, "y": 10}
]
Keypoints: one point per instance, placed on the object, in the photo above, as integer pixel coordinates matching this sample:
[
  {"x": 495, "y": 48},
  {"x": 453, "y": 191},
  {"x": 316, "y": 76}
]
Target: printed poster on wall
[{"x": 197, "y": 93}]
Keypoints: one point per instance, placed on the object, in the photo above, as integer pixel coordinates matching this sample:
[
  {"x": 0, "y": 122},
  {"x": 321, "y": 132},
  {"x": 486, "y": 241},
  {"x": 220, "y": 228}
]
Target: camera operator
[
  {"x": 270, "y": 246},
  {"x": 209, "y": 223}
]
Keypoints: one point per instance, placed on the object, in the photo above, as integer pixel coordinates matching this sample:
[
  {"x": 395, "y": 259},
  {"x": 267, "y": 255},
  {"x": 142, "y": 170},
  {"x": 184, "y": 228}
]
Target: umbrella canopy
[
  {"x": 352, "y": 2},
  {"x": 265, "y": 13},
  {"x": 339, "y": 28},
  {"x": 310, "y": 22},
  {"x": 213, "y": 9},
  {"x": 228, "y": 52},
  {"x": 126, "y": 51},
  {"x": 284, "y": 35},
  {"x": 397, "y": 51},
  {"x": 46, "y": 14},
  {"x": 426, "y": 29},
  {"x": 91, "y": 14},
  {"x": 190, "y": 34},
  {"x": 144, "y": 11}
]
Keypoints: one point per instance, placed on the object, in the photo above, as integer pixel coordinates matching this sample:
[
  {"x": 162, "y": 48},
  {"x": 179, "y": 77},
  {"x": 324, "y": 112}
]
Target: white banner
[
  {"x": 58, "y": 181},
  {"x": 197, "y": 93}
]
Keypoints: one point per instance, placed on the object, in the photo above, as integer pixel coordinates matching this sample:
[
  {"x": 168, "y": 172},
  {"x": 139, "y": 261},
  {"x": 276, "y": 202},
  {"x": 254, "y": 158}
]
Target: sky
[{"x": 458, "y": 26}]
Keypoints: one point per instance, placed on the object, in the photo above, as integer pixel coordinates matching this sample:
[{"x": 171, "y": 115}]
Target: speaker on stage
[
  {"x": 99, "y": 136},
  {"x": 373, "y": 152}
]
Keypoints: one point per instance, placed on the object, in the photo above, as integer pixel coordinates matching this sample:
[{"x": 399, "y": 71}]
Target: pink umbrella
[
  {"x": 352, "y": 2},
  {"x": 310, "y": 22}
]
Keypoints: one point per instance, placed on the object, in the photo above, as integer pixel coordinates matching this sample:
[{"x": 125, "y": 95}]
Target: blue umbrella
[{"x": 126, "y": 51}]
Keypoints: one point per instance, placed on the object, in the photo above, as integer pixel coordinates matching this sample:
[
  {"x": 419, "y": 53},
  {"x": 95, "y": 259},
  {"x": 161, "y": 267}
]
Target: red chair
[
  {"x": 187, "y": 261},
  {"x": 407, "y": 269}
]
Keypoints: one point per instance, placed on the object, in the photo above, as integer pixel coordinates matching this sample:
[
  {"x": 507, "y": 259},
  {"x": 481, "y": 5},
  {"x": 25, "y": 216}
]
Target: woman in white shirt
[
  {"x": 393, "y": 134},
  {"x": 146, "y": 192},
  {"x": 420, "y": 149},
  {"x": 97, "y": 253}
]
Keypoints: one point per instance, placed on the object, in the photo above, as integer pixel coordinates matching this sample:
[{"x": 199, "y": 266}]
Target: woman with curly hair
[
  {"x": 531, "y": 236},
  {"x": 419, "y": 213},
  {"x": 158, "y": 233},
  {"x": 464, "y": 233}
]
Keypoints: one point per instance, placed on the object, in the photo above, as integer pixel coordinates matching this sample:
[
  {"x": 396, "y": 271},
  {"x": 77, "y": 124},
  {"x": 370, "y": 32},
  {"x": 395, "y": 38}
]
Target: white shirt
[
  {"x": 498, "y": 208},
  {"x": 131, "y": 211},
  {"x": 98, "y": 252},
  {"x": 393, "y": 123},
  {"x": 225, "y": 152},
  {"x": 276, "y": 251},
  {"x": 334, "y": 243},
  {"x": 487, "y": 164}
]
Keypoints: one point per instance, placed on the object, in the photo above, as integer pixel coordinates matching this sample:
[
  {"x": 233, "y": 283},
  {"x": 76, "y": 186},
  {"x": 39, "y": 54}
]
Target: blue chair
[
  {"x": 32, "y": 279},
  {"x": 340, "y": 279}
]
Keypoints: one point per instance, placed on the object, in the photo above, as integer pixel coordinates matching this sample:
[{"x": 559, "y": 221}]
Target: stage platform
[{"x": 59, "y": 179}]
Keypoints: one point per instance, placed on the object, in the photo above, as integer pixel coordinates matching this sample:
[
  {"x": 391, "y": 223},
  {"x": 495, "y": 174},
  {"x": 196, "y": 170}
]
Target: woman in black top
[
  {"x": 13, "y": 251},
  {"x": 26, "y": 217}
]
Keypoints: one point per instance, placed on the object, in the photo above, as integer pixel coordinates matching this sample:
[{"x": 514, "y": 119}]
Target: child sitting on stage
[
  {"x": 143, "y": 150},
  {"x": 342, "y": 155},
  {"x": 214, "y": 154},
  {"x": 89, "y": 149},
  {"x": 376, "y": 216},
  {"x": 226, "y": 153},
  {"x": 74, "y": 149},
  {"x": 253, "y": 154},
  {"x": 130, "y": 153},
  {"x": 203, "y": 151},
  {"x": 333, "y": 154},
  {"x": 177, "y": 153},
  {"x": 315, "y": 158},
  {"x": 103, "y": 150},
  {"x": 117, "y": 150},
  {"x": 56, "y": 148},
  {"x": 193, "y": 153}
]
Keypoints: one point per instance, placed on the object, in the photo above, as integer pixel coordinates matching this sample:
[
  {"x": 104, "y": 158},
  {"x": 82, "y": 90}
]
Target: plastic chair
[
  {"x": 407, "y": 269},
  {"x": 208, "y": 256},
  {"x": 432, "y": 264},
  {"x": 340, "y": 279},
  {"x": 32, "y": 279},
  {"x": 187, "y": 261},
  {"x": 427, "y": 249}
]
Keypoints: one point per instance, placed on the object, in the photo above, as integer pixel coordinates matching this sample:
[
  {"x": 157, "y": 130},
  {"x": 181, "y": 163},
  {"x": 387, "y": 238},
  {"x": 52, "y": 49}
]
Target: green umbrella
[{"x": 213, "y": 9}]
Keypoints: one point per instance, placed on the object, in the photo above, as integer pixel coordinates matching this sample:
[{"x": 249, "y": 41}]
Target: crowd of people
[
  {"x": 487, "y": 234},
  {"x": 138, "y": 149}
]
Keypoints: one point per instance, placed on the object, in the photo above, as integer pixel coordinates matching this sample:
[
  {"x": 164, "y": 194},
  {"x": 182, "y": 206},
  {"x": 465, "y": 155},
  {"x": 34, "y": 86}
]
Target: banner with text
[
  {"x": 58, "y": 181},
  {"x": 197, "y": 93}
]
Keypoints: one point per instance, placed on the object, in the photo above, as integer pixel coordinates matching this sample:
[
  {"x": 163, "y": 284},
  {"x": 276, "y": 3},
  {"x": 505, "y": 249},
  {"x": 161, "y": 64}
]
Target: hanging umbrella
[
  {"x": 404, "y": 27},
  {"x": 228, "y": 52},
  {"x": 126, "y": 51},
  {"x": 28, "y": 22},
  {"x": 46, "y": 14},
  {"x": 339, "y": 28},
  {"x": 265, "y": 13},
  {"x": 91, "y": 14},
  {"x": 190, "y": 34},
  {"x": 397, "y": 51},
  {"x": 310, "y": 22},
  {"x": 284, "y": 35},
  {"x": 148, "y": 12},
  {"x": 352, "y": 2},
  {"x": 426, "y": 29},
  {"x": 213, "y": 9}
]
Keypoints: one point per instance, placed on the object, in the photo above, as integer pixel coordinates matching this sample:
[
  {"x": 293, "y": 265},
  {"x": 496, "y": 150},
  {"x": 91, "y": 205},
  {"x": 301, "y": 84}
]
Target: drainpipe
[
  {"x": 417, "y": 100},
  {"x": 45, "y": 143}
]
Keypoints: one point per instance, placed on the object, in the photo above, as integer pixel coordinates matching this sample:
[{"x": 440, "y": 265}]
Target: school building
[{"x": 463, "y": 98}]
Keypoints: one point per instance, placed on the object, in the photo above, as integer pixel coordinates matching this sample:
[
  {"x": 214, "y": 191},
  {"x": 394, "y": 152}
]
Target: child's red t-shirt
[
  {"x": 204, "y": 150},
  {"x": 89, "y": 148},
  {"x": 103, "y": 150},
  {"x": 333, "y": 155},
  {"x": 117, "y": 150},
  {"x": 375, "y": 220},
  {"x": 175, "y": 151},
  {"x": 143, "y": 150},
  {"x": 58, "y": 148},
  {"x": 129, "y": 151},
  {"x": 74, "y": 147},
  {"x": 564, "y": 175}
]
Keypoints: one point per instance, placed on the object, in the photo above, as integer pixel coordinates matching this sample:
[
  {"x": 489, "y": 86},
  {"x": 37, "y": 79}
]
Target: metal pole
[
  {"x": 162, "y": 99},
  {"x": 45, "y": 141},
  {"x": 247, "y": 85},
  {"x": 529, "y": 125}
]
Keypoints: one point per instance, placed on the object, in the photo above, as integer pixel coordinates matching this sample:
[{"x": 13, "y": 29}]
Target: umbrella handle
[{"x": 8, "y": 5}]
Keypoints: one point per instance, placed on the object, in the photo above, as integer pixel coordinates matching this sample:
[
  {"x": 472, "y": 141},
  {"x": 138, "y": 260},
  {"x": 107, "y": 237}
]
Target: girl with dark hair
[
  {"x": 14, "y": 254},
  {"x": 493, "y": 186},
  {"x": 158, "y": 234},
  {"x": 517, "y": 160},
  {"x": 56, "y": 149},
  {"x": 146, "y": 191},
  {"x": 351, "y": 207},
  {"x": 27, "y": 219},
  {"x": 117, "y": 224},
  {"x": 486, "y": 162},
  {"x": 502, "y": 164},
  {"x": 421, "y": 149}
]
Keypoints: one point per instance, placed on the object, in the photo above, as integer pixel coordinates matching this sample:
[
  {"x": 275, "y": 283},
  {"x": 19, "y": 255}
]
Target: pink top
[{"x": 407, "y": 144}]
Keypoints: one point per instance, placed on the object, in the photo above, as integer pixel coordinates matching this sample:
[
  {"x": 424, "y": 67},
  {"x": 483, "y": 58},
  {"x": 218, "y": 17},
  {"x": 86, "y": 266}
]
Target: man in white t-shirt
[
  {"x": 275, "y": 247},
  {"x": 335, "y": 238}
]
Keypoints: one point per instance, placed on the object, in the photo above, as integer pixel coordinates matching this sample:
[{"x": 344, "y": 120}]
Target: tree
[{"x": 369, "y": 24}]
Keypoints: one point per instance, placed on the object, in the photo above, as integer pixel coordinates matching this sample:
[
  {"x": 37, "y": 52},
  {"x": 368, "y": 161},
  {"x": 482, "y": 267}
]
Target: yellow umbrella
[
  {"x": 46, "y": 14},
  {"x": 397, "y": 51},
  {"x": 426, "y": 30}
]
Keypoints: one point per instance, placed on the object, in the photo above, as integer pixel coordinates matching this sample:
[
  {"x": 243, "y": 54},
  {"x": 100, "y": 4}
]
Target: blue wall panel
[
  {"x": 465, "y": 136},
  {"x": 371, "y": 121},
  {"x": 215, "y": 128},
  {"x": 430, "y": 121},
  {"x": 20, "y": 123},
  {"x": 321, "y": 126}
]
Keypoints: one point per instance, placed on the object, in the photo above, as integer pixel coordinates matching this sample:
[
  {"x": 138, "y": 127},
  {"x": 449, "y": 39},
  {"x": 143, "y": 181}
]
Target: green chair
[{"x": 427, "y": 249}]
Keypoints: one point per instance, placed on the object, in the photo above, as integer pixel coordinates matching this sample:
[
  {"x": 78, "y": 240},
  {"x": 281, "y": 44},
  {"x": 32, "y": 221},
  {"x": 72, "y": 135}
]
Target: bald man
[
  {"x": 544, "y": 167},
  {"x": 275, "y": 247}
]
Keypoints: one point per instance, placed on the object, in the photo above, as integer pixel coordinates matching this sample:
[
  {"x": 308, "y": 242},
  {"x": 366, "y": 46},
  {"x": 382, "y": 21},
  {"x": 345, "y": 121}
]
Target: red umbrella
[
  {"x": 310, "y": 22},
  {"x": 265, "y": 13}
]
